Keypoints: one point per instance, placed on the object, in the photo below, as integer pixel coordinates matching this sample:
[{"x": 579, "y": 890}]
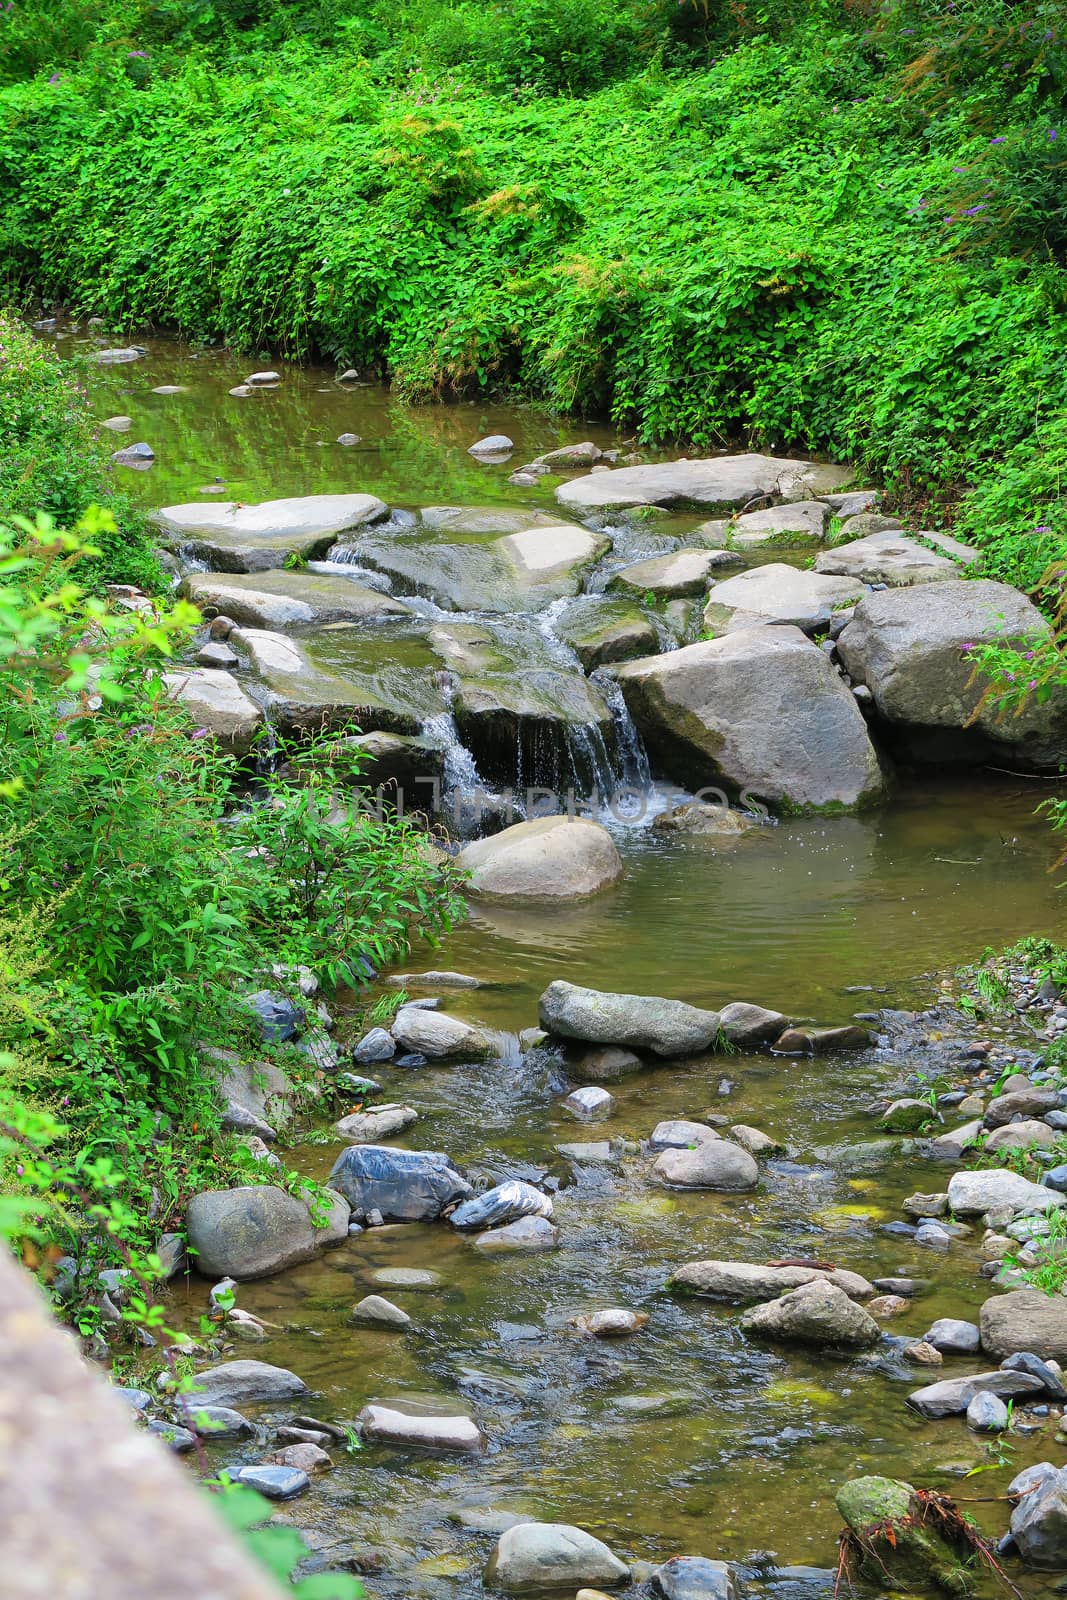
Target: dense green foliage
[
  {"x": 53, "y": 459},
  {"x": 137, "y": 907},
  {"x": 831, "y": 226}
]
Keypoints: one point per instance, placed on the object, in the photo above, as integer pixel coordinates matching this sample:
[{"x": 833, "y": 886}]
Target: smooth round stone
[
  {"x": 348, "y": 439},
  {"x": 169, "y": 388},
  {"x": 259, "y": 379},
  {"x": 275, "y": 1483},
  {"x": 118, "y": 424},
  {"x": 614, "y": 1323},
  {"x": 375, "y": 1308},
  {"x": 405, "y": 1278}
]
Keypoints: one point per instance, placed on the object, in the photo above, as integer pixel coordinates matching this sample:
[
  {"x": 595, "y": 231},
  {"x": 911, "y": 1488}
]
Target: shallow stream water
[{"x": 688, "y": 1438}]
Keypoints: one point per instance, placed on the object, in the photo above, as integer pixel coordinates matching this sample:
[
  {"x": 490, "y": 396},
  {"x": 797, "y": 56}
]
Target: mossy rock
[{"x": 916, "y": 1554}]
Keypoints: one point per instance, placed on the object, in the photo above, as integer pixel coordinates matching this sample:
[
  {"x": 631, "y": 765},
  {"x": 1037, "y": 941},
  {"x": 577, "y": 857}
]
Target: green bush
[
  {"x": 135, "y": 909},
  {"x": 833, "y": 227},
  {"x": 53, "y": 459}
]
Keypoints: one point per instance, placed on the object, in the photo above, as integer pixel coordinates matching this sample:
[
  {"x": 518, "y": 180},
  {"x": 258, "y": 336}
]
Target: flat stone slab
[
  {"x": 886, "y": 557},
  {"x": 236, "y": 1383},
  {"x": 280, "y": 599},
  {"x": 952, "y": 1396},
  {"x": 777, "y": 593},
  {"x": 685, "y": 572},
  {"x": 521, "y": 572},
  {"x": 720, "y": 483},
  {"x": 274, "y": 1483},
  {"x": 745, "y": 1282},
  {"x": 380, "y": 1122},
  {"x": 241, "y": 538},
  {"x": 383, "y": 1424},
  {"x": 216, "y": 701},
  {"x": 801, "y": 523},
  {"x": 528, "y": 1233}
]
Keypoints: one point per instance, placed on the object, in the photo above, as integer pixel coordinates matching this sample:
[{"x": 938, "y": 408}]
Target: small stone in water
[
  {"x": 348, "y": 438},
  {"x": 887, "y": 1305},
  {"x": 923, "y": 1354},
  {"x": 274, "y": 1483},
  {"x": 590, "y": 1101},
  {"x": 987, "y": 1413},
  {"x": 375, "y": 1308},
  {"x": 612, "y": 1324},
  {"x": 180, "y": 1439},
  {"x": 263, "y": 378}
]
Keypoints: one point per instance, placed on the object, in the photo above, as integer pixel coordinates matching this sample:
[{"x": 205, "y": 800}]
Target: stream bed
[{"x": 686, "y": 1438}]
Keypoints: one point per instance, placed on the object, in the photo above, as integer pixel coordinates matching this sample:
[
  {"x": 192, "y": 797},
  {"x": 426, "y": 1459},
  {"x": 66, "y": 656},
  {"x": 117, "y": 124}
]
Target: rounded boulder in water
[
  {"x": 401, "y": 1185},
  {"x": 507, "y": 1202}
]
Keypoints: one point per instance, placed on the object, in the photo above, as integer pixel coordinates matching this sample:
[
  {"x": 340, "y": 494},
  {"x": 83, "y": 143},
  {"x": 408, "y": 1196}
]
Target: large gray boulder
[
  {"x": 259, "y": 1230},
  {"x": 643, "y": 1022},
  {"x": 551, "y": 1556},
  {"x": 1039, "y": 1522},
  {"x": 551, "y": 858},
  {"x": 238, "y": 1383},
  {"x": 721, "y": 483},
  {"x": 216, "y": 701},
  {"x": 747, "y": 1282},
  {"x": 888, "y": 557},
  {"x": 910, "y": 647},
  {"x": 233, "y": 537},
  {"x": 817, "y": 1313},
  {"x": 710, "y": 1164},
  {"x": 1027, "y": 1320},
  {"x": 761, "y": 712},
  {"x": 278, "y": 599},
  {"x": 780, "y": 594},
  {"x": 521, "y": 572},
  {"x": 404, "y": 1185}
]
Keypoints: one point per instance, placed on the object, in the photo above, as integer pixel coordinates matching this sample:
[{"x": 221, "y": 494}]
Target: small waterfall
[
  {"x": 633, "y": 759},
  {"x": 344, "y": 561}
]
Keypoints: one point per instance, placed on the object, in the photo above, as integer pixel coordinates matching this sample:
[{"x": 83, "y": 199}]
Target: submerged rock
[
  {"x": 549, "y": 858},
  {"x": 601, "y": 629},
  {"x": 403, "y": 1185},
  {"x": 816, "y": 1313},
  {"x": 697, "y": 818},
  {"x": 646, "y": 1022},
  {"x": 613, "y": 1323},
  {"x": 606, "y": 1066},
  {"x": 386, "y": 1425},
  {"x": 536, "y": 1556},
  {"x": 528, "y": 1233},
  {"x": 761, "y": 711}
]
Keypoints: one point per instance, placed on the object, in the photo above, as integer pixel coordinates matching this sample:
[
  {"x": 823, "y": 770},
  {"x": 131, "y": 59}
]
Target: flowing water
[{"x": 686, "y": 1439}]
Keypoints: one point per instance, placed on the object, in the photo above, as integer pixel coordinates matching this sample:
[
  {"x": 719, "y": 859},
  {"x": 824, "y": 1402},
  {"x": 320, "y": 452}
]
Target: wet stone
[{"x": 274, "y": 1483}]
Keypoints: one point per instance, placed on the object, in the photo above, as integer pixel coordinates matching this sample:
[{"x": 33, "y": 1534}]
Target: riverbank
[{"x": 888, "y": 234}]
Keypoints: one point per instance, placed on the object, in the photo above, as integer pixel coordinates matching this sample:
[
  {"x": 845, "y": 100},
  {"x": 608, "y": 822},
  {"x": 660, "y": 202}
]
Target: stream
[{"x": 687, "y": 1438}]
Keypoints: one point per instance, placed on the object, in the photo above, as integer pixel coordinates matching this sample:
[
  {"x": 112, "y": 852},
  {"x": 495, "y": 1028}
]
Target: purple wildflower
[
  {"x": 1053, "y": 135},
  {"x": 969, "y": 645},
  {"x": 1032, "y": 684},
  {"x": 200, "y": 733},
  {"x": 59, "y": 738},
  {"x": 1000, "y": 139},
  {"x": 973, "y": 210}
]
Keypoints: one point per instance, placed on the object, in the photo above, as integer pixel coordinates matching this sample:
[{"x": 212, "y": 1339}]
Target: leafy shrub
[
  {"x": 52, "y": 459},
  {"x": 135, "y": 910}
]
